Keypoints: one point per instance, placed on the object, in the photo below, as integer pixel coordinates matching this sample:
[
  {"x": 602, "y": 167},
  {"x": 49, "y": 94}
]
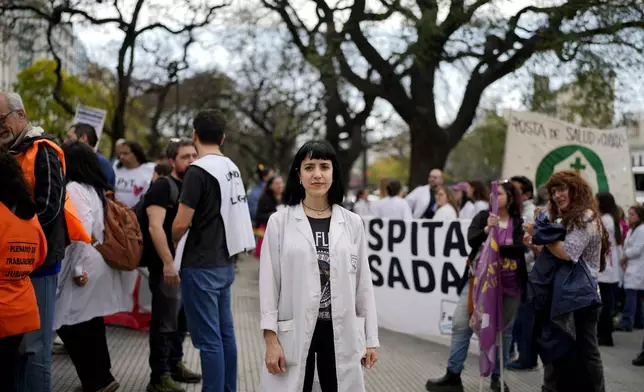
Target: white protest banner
[
  {"x": 537, "y": 146},
  {"x": 416, "y": 268},
  {"x": 92, "y": 116}
]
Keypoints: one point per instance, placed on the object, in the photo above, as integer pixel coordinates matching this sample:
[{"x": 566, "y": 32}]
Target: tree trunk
[
  {"x": 118, "y": 123},
  {"x": 429, "y": 150}
]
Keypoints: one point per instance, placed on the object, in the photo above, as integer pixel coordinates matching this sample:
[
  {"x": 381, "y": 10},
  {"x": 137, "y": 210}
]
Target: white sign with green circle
[{"x": 538, "y": 146}]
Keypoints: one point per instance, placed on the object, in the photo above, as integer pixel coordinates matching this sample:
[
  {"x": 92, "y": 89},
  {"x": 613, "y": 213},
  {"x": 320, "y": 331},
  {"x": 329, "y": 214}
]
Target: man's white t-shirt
[{"x": 131, "y": 184}]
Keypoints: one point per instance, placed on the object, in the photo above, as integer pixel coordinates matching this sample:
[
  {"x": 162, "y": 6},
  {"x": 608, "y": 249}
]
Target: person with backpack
[
  {"x": 43, "y": 166},
  {"x": 88, "y": 287},
  {"x": 167, "y": 324}
]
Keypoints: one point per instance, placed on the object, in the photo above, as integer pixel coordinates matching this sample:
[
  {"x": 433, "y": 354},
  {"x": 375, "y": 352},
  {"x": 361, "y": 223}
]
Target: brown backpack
[{"x": 122, "y": 245}]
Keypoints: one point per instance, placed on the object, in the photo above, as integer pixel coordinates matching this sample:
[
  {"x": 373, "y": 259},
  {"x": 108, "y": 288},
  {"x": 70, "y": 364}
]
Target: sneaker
[
  {"x": 450, "y": 382},
  {"x": 165, "y": 384},
  {"x": 495, "y": 384},
  {"x": 639, "y": 361},
  {"x": 183, "y": 374}
]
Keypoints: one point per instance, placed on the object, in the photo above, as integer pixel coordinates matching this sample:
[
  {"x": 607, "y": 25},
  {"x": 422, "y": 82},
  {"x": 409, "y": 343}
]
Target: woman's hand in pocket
[{"x": 275, "y": 360}]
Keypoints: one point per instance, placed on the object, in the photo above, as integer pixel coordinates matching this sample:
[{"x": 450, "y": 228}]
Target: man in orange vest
[{"x": 44, "y": 174}]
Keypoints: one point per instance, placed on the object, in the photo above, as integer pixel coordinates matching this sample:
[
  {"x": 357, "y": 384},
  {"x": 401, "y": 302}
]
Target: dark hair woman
[
  {"x": 513, "y": 273},
  {"x": 269, "y": 202},
  {"x": 633, "y": 264},
  {"x": 609, "y": 278},
  {"x": 479, "y": 193},
  {"x": 133, "y": 173},
  {"x": 572, "y": 202},
  {"x": 19, "y": 227},
  {"x": 315, "y": 234},
  {"x": 86, "y": 282}
]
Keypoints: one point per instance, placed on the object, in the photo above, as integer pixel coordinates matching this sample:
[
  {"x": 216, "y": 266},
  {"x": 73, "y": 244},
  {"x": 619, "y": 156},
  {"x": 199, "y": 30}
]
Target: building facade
[{"x": 26, "y": 42}]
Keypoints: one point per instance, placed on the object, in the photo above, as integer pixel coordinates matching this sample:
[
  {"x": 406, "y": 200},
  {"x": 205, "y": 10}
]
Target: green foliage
[
  {"x": 479, "y": 155},
  {"x": 389, "y": 167},
  {"x": 36, "y": 86}
]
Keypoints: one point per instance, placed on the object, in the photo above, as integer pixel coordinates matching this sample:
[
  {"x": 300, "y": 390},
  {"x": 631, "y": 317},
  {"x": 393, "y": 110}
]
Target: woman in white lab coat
[
  {"x": 633, "y": 264},
  {"x": 446, "y": 203},
  {"x": 316, "y": 294}
]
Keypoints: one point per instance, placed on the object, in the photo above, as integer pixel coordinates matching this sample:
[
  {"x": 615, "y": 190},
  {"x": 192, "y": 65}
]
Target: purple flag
[{"x": 487, "y": 295}]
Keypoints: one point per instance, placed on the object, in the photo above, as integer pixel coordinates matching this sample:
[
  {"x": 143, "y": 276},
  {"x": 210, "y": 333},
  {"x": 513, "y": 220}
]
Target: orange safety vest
[
  {"x": 23, "y": 249},
  {"x": 27, "y": 159}
]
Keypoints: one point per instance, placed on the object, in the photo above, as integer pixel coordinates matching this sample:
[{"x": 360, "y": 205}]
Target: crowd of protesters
[{"x": 194, "y": 216}]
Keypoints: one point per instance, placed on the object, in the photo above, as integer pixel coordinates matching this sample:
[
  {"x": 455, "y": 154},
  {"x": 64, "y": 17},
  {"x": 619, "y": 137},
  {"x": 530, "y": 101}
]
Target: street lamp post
[
  {"x": 365, "y": 176},
  {"x": 173, "y": 73}
]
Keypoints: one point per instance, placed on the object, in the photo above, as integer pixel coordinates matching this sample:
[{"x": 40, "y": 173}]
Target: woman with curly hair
[{"x": 573, "y": 204}]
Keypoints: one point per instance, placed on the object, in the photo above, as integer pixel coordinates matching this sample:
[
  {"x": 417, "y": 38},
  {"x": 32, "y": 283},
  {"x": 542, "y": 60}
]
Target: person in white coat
[
  {"x": 609, "y": 278},
  {"x": 393, "y": 206},
  {"x": 316, "y": 296},
  {"x": 422, "y": 200},
  {"x": 633, "y": 264},
  {"x": 446, "y": 203},
  {"x": 88, "y": 289}
]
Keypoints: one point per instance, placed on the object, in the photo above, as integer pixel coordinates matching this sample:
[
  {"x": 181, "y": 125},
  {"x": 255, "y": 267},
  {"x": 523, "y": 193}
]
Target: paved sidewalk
[{"x": 404, "y": 366}]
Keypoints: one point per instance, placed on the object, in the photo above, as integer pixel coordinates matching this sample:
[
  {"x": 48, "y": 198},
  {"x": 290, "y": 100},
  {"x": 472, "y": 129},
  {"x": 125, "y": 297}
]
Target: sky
[{"x": 507, "y": 93}]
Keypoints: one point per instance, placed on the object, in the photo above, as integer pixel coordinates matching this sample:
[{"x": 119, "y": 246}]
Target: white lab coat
[
  {"x": 468, "y": 211},
  {"x": 634, "y": 251},
  {"x": 418, "y": 200},
  {"x": 445, "y": 213},
  {"x": 289, "y": 293},
  {"x": 392, "y": 208},
  {"x": 611, "y": 273},
  {"x": 108, "y": 291}
]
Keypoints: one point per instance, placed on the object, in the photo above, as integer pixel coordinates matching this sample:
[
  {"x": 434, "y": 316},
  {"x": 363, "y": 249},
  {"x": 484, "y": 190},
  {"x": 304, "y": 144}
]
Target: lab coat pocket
[
  {"x": 286, "y": 336},
  {"x": 362, "y": 339}
]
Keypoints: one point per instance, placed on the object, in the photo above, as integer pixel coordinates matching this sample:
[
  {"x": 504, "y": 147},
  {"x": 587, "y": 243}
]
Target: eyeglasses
[{"x": 3, "y": 118}]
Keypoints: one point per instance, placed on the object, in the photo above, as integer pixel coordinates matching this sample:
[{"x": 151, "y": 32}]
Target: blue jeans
[
  {"x": 632, "y": 314},
  {"x": 462, "y": 333},
  {"x": 33, "y": 372},
  {"x": 207, "y": 303}
]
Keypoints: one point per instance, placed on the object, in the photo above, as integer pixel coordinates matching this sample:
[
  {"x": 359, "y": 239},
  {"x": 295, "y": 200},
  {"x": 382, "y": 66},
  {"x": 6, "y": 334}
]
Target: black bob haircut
[{"x": 314, "y": 149}]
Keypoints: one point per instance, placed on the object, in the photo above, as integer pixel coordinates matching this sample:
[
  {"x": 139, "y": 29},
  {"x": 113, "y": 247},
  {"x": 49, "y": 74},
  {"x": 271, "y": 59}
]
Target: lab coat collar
[{"x": 335, "y": 229}]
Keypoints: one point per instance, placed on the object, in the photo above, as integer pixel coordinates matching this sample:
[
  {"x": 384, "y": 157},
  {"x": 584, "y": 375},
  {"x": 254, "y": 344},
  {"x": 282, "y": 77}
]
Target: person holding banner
[
  {"x": 310, "y": 248},
  {"x": 509, "y": 222}
]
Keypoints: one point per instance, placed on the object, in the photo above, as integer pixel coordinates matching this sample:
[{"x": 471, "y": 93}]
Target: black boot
[
  {"x": 450, "y": 382},
  {"x": 639, "y": 361},
  {"x": 495, "y": 384}
]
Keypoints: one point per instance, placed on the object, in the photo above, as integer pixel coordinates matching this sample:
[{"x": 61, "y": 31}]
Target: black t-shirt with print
[
  {"x": 320, "y": 228},
  {"x": 159, "y": 195},
  {"x": 206, "y": 244}
]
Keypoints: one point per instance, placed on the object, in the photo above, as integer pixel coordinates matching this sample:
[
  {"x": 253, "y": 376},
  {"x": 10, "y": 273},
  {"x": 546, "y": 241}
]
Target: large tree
[
  {"x": 345, "y": 39},
  {"x": 133, "y": 19},
  {"x": 274, "y": 64}
]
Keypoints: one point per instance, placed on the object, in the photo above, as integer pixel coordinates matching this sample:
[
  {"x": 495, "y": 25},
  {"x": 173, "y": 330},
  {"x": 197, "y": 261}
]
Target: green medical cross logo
[
  {"x": 577, "y": 165},
  {"x": 546, "y": 167}
]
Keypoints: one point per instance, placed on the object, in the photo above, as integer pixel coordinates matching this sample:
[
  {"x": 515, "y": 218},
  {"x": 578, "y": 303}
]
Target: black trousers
[
  {"x": 323, "y": 350},
  {"x": 581, "y": 369},
  {"x": 524, "y": 336},
  {"x": 608, "y": 292},
  {"x": 9, "y": 354},
  {"x": 87, "y": 347},
  {"x": 168, "y": 327}
]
